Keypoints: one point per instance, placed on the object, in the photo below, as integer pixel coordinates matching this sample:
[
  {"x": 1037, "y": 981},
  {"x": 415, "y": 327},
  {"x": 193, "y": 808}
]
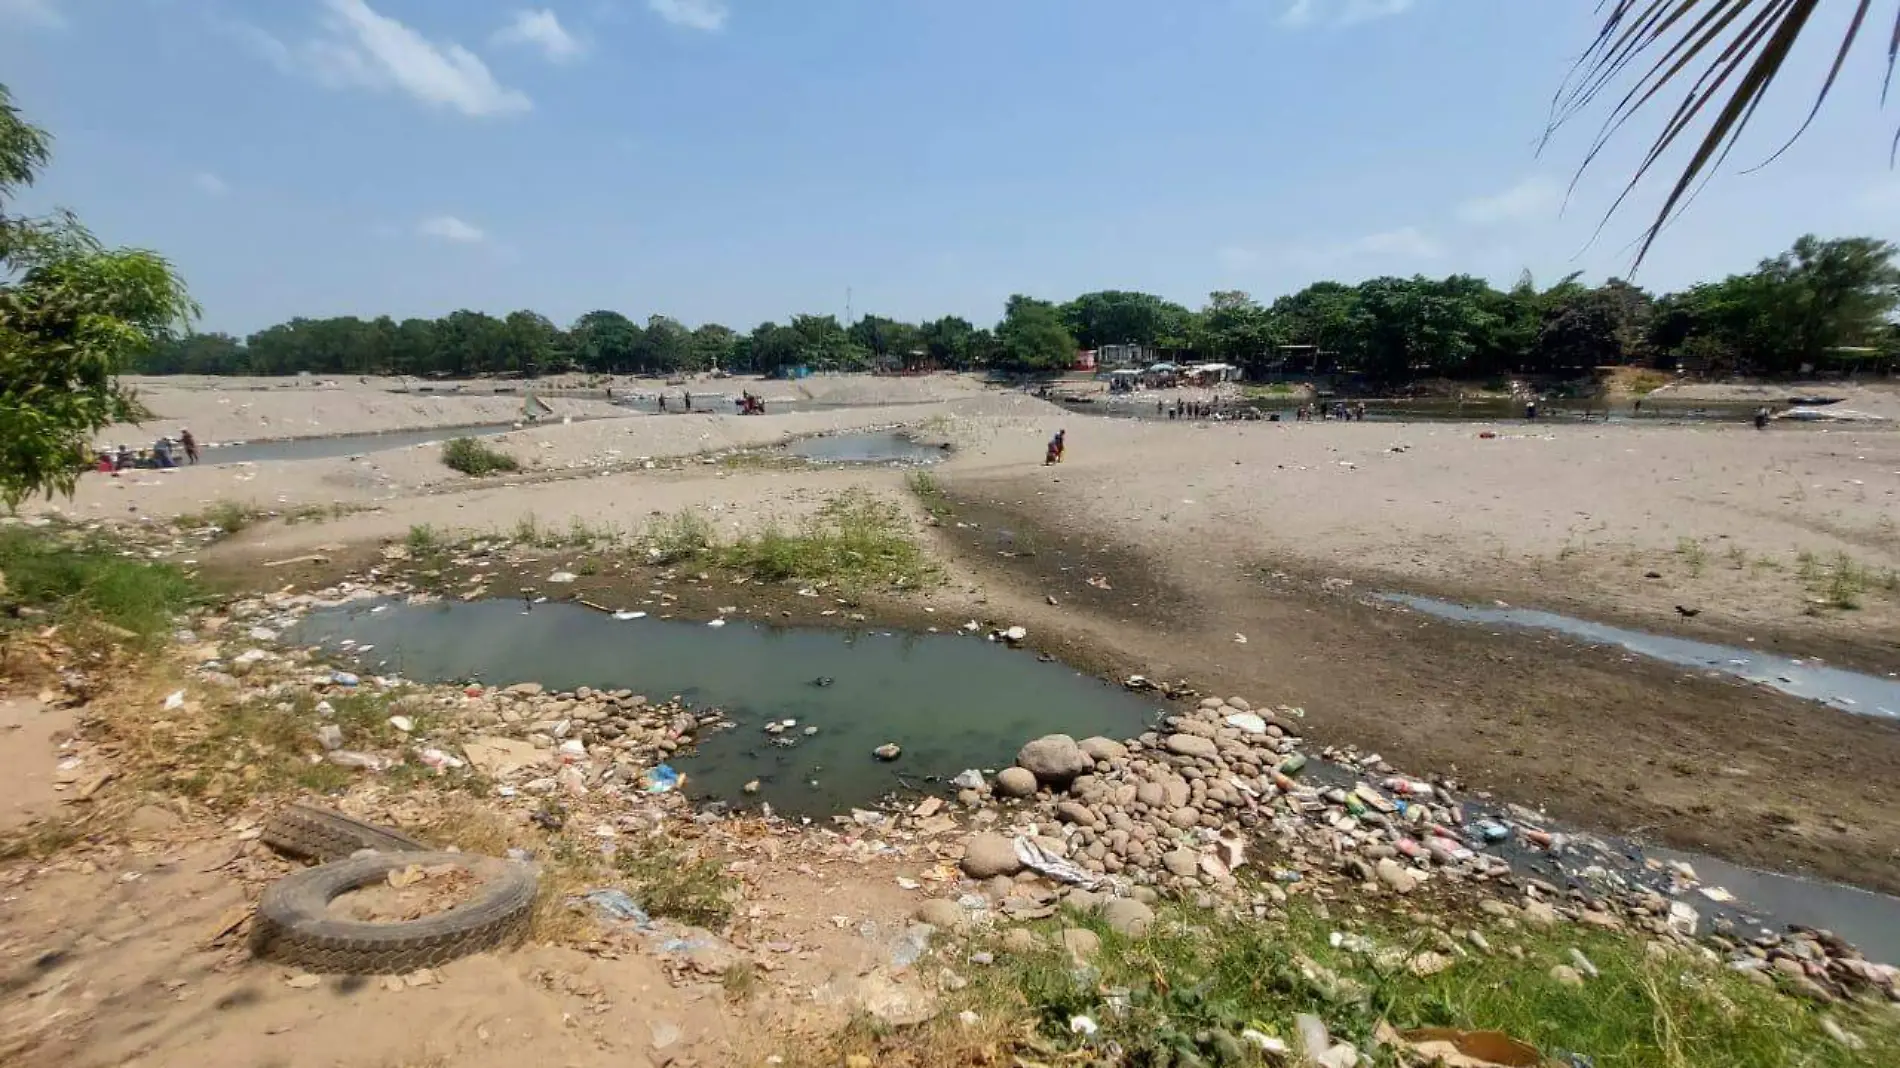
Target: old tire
[
  {"x": 291, "y": 926},
  {"x": 320, "y": 834}
]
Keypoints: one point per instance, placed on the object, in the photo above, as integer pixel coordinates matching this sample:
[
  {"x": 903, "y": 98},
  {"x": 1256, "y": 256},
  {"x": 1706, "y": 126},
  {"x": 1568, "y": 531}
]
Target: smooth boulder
[
  {"x": 1055, "y": 760},
  {"x": 986, "y": 856},
  {"x": 1016, "y": 782}
]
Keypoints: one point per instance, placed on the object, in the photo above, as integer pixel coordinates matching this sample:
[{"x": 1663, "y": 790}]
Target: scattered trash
[
  {"x": 402, "y": 723},
  {"x": 562, "y": 577},
  {"x": 344, "y": 678},
  {"x": 1247, "y": 723},
  {"x": 1716, "y": 894},
  {"x": 910, "y": 945},
  {"x": 618, "y": 906},
  {"x": 661, "y": 779},
  {"x": 437, "y": 759},
  {"x": 1082, "y": 1025},
  {"x": 969, "y": 779},
  {"x": 1462, "y": 1049},
  {"x": 629, "y": 615},
  {"x": 1062, "y": 871},
  {"x": 715, "y": 622},
  {"x": 175, "y": 700},
  {"x": 887, "y": 751}
]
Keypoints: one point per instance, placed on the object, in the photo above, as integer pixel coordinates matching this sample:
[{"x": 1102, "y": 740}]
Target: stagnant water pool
[
  {"x": 950, "y": 702},
  {"x": 867, "y": 447},
  {"x": 342, "y": 444},
  {"x": 1849, "y": 691}
]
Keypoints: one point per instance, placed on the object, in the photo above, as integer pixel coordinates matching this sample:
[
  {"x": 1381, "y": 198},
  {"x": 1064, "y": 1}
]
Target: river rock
[
  {"x": 1539, "y": 914},
  {"x": 941, "y": 914},
  {"x": 1181, "y": 862},
  {"x": 1128, "y": 917},
  {"x": 1016, "y": 782},
  {"x": 1054, "y": 759},
  {"x": 1192, "y": 745},
  {"x": 1021, "y": 941},
  {"x": 1103, "y": 750},
  {"x": 1394, "y": 875},
  {"x": 1075, "y": 812},
  {"x": 1082, "y": 944},
  {"x": 1565, "y": 975},
  {"x": 988, "y": 855}
]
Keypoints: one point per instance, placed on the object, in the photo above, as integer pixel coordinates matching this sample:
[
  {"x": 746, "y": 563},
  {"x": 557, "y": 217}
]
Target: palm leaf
[{"x": 1730, "y": 51}]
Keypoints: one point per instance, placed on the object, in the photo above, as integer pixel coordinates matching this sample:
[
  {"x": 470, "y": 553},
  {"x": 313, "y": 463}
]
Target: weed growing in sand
[
  {"x": 85, "y": 581},
  {"x": 929, "y": 492},
  {"x": 856, "y": 539},
  {"x": 1737, "y": 557},
  {"x": 426, "y": 540},
  {"x": 1692, "y": 555},
  {"x": 741, "y": 981},
  {"x": 669, "y": 882},
  {"x": 684, "y": 535},
  {"x": 317, "y": 513},
  {"x": 477, "y": 458},
  {"x": 226, "y": 517},
  {"x": 1184, "y": 993}
]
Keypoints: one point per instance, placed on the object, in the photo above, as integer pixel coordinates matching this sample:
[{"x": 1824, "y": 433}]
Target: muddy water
[
  {"x": 950, "y": 702},
  {"x": 868, "y": 447},
  {"x": 341, "y": 444},
  {"x": 1849, "y": 691}
]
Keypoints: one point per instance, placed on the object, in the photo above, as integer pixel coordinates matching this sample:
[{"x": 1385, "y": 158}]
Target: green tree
[
  {"x": 73, "y": 316},
  {"x": 606, "y": 341},
  {"x": 532, "y": 344},
  {"x": 713, "y": 347},
  {"x": 1235, "y": 329},
  {"x": 950, "y": 342},
  {"x": 1116, "y": 317},
  {"x": 1033, "y": 337}
]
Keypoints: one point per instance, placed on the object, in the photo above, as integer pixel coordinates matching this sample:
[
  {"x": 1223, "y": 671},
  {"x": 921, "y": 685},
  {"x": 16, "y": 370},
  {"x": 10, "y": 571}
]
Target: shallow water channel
[
  {"x": 1849, "y": 691},
  {"x": 866, "y": 447},
  {"x": 950, "y": 702},
  {"x": 342, "y": 444}
]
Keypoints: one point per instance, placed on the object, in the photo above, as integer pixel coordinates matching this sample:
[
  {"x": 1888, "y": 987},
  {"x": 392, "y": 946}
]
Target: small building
[{"x": 1084, "y": 360}]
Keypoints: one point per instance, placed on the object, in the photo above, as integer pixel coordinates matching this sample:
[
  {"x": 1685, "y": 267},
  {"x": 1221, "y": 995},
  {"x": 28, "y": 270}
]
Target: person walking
[{"x": 190, "y": 443}]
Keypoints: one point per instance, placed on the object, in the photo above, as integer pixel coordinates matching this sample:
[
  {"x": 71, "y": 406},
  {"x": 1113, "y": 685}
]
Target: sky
[{"x": 738, "y": 160}]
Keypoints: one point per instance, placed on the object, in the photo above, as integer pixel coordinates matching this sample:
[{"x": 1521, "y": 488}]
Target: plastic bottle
[{"x": 1409, "y": 788}]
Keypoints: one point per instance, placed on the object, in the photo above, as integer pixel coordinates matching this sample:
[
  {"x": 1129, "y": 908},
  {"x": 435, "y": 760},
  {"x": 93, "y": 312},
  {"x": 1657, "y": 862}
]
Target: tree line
[{"x": 1822, "y": 302}]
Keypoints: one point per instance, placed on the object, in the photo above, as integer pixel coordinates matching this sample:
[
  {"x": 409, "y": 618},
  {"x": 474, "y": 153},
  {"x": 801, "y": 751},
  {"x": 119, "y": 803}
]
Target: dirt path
[
  {"x": 1605, "y": 741},
  {"x": 29, "y": 751}
]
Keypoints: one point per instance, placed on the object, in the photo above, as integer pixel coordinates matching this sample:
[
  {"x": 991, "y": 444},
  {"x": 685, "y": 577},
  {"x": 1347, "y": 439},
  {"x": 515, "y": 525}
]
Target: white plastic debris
[
  {"x": 402, "y": 723},
  {"x": 1247, "y": 723},
  {"x": 175, "y": 700},
  {"x": 562, "y": 577},
  {"x": 1082, "y": 1025}
]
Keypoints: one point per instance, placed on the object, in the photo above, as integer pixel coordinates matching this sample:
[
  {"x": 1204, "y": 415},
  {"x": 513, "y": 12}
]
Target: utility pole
[{"x": 847, "y": 305}]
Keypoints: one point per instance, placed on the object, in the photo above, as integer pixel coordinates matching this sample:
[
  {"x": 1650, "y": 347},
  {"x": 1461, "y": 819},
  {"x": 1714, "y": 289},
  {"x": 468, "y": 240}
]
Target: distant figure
[
  {"x": 1054, "y": 453},
  {"x": 1530, "y": 410},
  {"x": 662, "y": 404},
  {"x": 689, "y": 399},
  {"x": 1761, "y": 418},
  {"x": 190, "y": 443},
  {"x": 162, "y": 454},
  {"x": 1639, "y": 406}
]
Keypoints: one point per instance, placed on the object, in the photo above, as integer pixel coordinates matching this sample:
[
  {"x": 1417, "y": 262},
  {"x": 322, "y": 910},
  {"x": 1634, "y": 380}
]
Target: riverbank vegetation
[
  {"x": 1823, "y": 303},
  {"x": 856, "y": 540},
  {"x": 1201, "y": 988}
]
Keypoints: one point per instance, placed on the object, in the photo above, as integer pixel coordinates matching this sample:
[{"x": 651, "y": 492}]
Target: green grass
[
  {"x": 318, "y": 513},
  {"x": 1693, "y": 555},
  {"x": 1842, "y": 582},
  {"x": 1198, "y": 980},
  {"x": 477, "y": 458},
  {"x": 856, "y": 540},
  {"x": 681, "y": 537},
  {"x": 672, "y": 883},
  {"x": 930, "y": 493},
  {"x": 426, "y": 540},
  {"x": 226, "y": 516},
  {"x": 578, "y": 534},
  {"x": 76, "y": 580}
]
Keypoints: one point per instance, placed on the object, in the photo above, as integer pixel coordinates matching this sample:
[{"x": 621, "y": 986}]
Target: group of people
[
  {"x": 1338, "y": 410},
  {"x": 750, "y": 404},
  {"x": 164, "y": 453}
]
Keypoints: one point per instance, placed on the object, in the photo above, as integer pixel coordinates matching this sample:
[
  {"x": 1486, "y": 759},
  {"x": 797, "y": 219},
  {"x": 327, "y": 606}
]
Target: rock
[
  {"x": 940, "y": 913},
  {"x": 1394, "y": 875},
  {"x": 524, "y": 689},
  {"x": 1082, "y": 945},
  {"x": 1103, "y": 750},
  {"x": 1016, "y": 782},
  {"x": 1491, "y": 906},
  {"x": 1540, "y": 914},
  {"x": 1192, "y": 745},
  {"x": 330, "y": 737},
  {"x": 1126, "y": 916},
  {"x": 751, "y": 787},
  {"x": 989, "y": 855},
  {"x": 496, "y": 757},
  {"x": 1566, "y": 975},
  {"x": 1055, "y": 759},
  {"x": 887, "y": 751},
  {"x": 1181, "y": 862},
  {"x": 1021, "y": 941},
  {"x": 1429, "y": 963},
  {"x": 150, "y": 820},
  {"x": 1082, "y": 901},
  {"x": 1075, "y": 812}
]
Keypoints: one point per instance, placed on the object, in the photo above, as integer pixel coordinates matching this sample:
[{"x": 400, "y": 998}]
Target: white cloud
[
  {"x": 32, "y": 12},
  {"x": 449, "y": 228},
  {"x": 1341, "y": 12},
  {"x": 708, "y": 15},
  {"x": 1532, "y": 199},
  {"x": 210, "y": 184},
  {"x": 1386, "y": 249},
  {"x": 365, "y": 49},
  {"x": 542, "y": 30}
]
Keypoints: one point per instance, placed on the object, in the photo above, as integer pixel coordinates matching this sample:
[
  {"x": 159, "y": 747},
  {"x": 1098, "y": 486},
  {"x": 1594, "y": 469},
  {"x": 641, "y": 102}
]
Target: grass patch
[
  {"x": 1693, "y": 555},
  {"x": 1842, "y": 582},
  {"x": 1183, "y": 994},
  {"x": 578, "y": 534},
  {"x": 318, "y": 513},
  {"x": 477, "y": 458},
  {"x": 930, "y": 493},
  {"x": 426, "y": 540},
  {"x": 670, "y": 882},
  {"x": 84, "y": 580},
  {"x": 856, "y": 540},
  {"x": 684, "y": 535}
]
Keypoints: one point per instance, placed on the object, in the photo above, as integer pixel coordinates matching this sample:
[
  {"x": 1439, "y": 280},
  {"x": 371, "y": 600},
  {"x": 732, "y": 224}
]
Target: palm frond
[{"x": 1734, "y": 50}]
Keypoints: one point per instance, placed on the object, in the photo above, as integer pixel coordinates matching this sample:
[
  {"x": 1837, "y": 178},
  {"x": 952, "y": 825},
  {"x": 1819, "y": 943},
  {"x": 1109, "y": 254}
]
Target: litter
[
  {"x": 344, "y": 678},
  {"x": 437, "y": 759},
  {"x": 562, "y": 577},
  {"x": 1082, "y": 1025},
  {"x": 1247, "y": 723},
  {"x": 969, "y": 779},
  {"x": 175, "y": 700},
  {"x": 617, "y": 905},
  {"x": 629, "y": 615},
  {"x": 1062, "y": 871},
  {"x": 661, "y": 779}
]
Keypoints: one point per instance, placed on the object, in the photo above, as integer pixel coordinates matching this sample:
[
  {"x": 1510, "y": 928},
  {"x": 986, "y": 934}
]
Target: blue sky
[{"x": 735, "y": 160}]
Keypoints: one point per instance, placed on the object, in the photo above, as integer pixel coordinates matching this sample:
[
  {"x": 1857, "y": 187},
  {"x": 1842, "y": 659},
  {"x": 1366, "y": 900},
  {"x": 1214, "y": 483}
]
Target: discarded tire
[
  {"x": 291, "y": 926},
  {"x": 320, "y": 834}
]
